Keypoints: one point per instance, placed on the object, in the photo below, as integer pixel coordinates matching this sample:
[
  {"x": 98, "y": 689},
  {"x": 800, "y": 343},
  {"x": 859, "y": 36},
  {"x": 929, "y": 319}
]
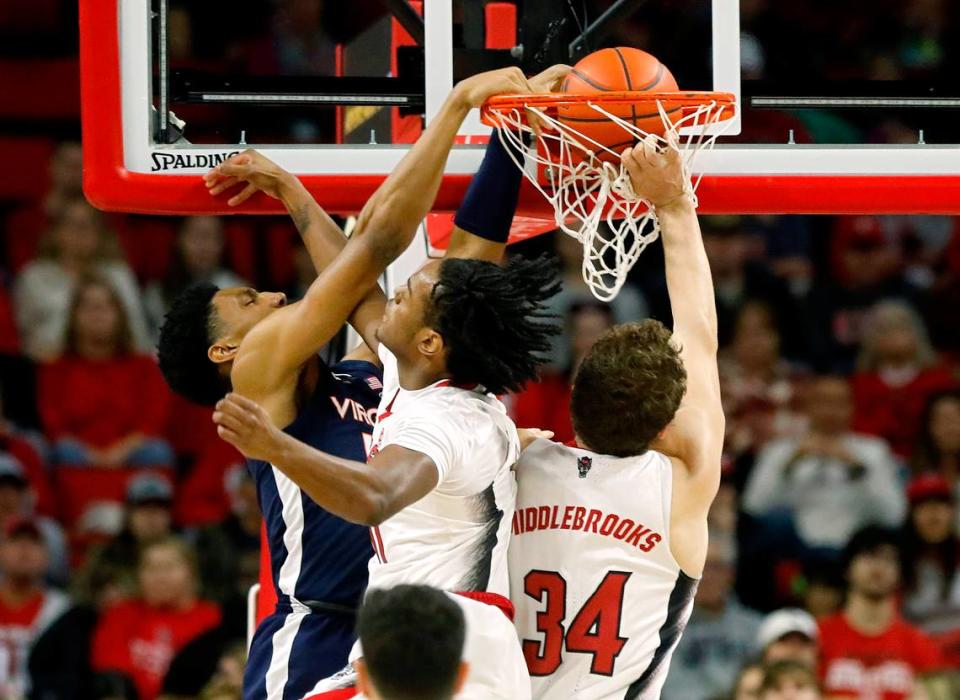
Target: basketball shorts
[{"x": 292, "y": 651}]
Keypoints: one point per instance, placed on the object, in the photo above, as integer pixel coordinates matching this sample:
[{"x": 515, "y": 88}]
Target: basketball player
[
  {"x": 610, "y": 537},
  {"x": 438, "y": 490},
  {"x": 214, "y": 340}
]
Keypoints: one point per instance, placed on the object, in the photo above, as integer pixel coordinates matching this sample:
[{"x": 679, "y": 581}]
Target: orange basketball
[{"x": 615, "y": 70}]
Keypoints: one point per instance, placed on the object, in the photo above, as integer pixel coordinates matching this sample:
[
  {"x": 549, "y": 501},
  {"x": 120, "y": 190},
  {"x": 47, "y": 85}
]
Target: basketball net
[{"x": 593, "y": 199}]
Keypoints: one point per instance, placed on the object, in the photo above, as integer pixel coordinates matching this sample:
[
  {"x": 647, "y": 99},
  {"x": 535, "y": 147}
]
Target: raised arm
[
  {"x": 321, "y": 236},
  {"x": 273, "y": 352},
  {"x": 695, "y": 437},
  {"x": 482, "y": 223}
]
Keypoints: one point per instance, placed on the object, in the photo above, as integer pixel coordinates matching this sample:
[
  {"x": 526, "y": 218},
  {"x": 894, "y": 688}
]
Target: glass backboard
[{"x": 836, "y": 113}]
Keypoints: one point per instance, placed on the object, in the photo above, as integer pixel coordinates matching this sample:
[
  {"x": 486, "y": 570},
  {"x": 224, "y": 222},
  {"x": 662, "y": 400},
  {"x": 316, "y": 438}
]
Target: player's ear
[
  {"x": 430, "y": 343},
  {"x": 221, "y": 352},
  {"x": 462, "y": 674}
]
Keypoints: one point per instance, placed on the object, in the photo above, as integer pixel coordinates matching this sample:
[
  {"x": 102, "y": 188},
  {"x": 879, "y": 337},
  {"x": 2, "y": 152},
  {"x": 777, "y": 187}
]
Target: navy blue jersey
[
  {"x": 318, "y": 561},
  {"x": 316, "y": 556}
]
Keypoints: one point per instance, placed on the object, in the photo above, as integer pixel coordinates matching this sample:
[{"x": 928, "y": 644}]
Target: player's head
[
  {"x": 872, "y": 559},
  {"x": 474, "y": 321},
  {"x": 628, "y": 388},
  {"x": 201, "y": 334},
  {"x": 412, "y": 639}
]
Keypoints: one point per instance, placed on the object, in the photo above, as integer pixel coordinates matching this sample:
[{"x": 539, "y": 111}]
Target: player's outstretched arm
[
  {"x": 366, "y": 493},
  {"x": 324, "y": 240},
  {"x": 696, "y": 434},
  {"x": 278, "y": 346},
  {"x": 482, "y": 224}
]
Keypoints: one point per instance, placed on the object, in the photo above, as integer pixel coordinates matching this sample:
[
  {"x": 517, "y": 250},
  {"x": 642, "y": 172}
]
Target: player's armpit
[{"x": 695, "y": 439}]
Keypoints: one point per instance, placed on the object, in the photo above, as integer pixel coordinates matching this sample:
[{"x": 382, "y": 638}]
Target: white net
[{"x": 592, "y": 198}]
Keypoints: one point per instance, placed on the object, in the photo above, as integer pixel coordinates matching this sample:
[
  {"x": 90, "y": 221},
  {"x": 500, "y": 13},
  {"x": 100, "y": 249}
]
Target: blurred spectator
[
  {"x": 298, "y": 43},
  {"x": 413, "y": 643},
  {"x": 227, "y": 682},
  {"x": 230, "y": 551},
  {"x": 868, "y": 650},
  {"x": 739, "y": 278},
  {"x": 77, "y": 244},
  {"x": 824, "y": 588},
  {"x": 628, "y": 305},
  {"x": 788, "y": 247},
  {"x": 897, "y": 374},
  {"x": 830, "y": 481},
  {"x": 865, "y": 266},
  {"x": 757, "y": 385},
  {"x": 938, "y": 447},
  {"x": 748, "y": 683},
  {"x": 138, "y": 638},
  {"x": 16, "y": 501},
  {"x": 545, "y": 404},
  {"x": 931, "y": 560},
  {"x": 102, "y": 404},
  {"x": 789, "y": 634},
  {"x": 111, "y": 571},
  {"x": 26, "y": 225},
  {"x": 28, "y": 450},
  {"x": 789, "y": 680},
  {"x": 198, "y": 258},
  {"x": 721, "y": 633},
  {"x": 27, "y": 606}
]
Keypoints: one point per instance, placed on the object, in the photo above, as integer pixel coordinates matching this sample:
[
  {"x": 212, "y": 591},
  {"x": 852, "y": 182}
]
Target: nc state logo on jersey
[{"x": 583, "y": 466}]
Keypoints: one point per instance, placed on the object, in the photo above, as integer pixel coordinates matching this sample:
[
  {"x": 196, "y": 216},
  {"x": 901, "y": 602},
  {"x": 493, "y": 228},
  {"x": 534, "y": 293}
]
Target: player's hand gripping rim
[{"x": 656, "y": 172}]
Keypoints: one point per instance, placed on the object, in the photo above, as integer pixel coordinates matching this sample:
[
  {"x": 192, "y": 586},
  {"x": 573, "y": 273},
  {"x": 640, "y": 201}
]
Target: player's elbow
[{"x": 372, "y": 507}]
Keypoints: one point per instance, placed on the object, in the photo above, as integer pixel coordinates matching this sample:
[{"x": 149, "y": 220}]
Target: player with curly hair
[
  {"x": 610, "y": 536},
  {"x": 254, "y": 344}
]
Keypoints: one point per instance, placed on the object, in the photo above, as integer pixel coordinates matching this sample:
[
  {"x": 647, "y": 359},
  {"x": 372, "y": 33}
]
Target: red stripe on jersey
[{"x": 377, "y": 541}]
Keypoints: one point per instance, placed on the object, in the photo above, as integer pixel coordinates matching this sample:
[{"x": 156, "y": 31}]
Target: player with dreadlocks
[
  {"x": 265, "y": 350},
  {"x": 438, "y": 491}
]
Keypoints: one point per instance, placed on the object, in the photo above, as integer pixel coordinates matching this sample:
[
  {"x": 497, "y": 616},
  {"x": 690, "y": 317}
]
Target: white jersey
[
  {"x": 455, "y": 538},
  {"x": 600, "y": 600}
]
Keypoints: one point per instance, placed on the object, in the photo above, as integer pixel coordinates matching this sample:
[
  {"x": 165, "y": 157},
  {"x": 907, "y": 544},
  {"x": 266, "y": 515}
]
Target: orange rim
[{"x": 722, "y": 104}]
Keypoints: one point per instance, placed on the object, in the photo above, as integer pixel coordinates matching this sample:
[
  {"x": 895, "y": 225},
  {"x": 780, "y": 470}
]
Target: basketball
[{"x": 615, "y": 70}]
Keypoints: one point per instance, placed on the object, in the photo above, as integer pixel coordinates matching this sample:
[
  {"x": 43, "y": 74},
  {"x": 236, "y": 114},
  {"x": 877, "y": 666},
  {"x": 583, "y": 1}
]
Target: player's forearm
[
  {"x": 689, "y": 282},
  {"x": 343, "y": 487},
  {"x": 394, "y": 212},
  {"x": 320, "y": 234}
]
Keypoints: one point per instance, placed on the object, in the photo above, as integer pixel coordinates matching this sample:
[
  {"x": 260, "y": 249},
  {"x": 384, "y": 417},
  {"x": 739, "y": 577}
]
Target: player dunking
[
  {"x": 214, "y": 340},
  {"x": 610, "y": 538},
  {"x": 438, "y": 490}
]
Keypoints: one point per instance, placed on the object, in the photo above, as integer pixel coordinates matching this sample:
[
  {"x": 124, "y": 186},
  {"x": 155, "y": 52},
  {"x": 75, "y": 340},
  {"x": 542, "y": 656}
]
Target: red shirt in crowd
[
  {"x": 102, "y": 402},
  {"x": 895, "y": 413},
  {"x": 546, "y": 405},
  {"x": 140, "y": 641},
  {"x": 880, "y": 667}
]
